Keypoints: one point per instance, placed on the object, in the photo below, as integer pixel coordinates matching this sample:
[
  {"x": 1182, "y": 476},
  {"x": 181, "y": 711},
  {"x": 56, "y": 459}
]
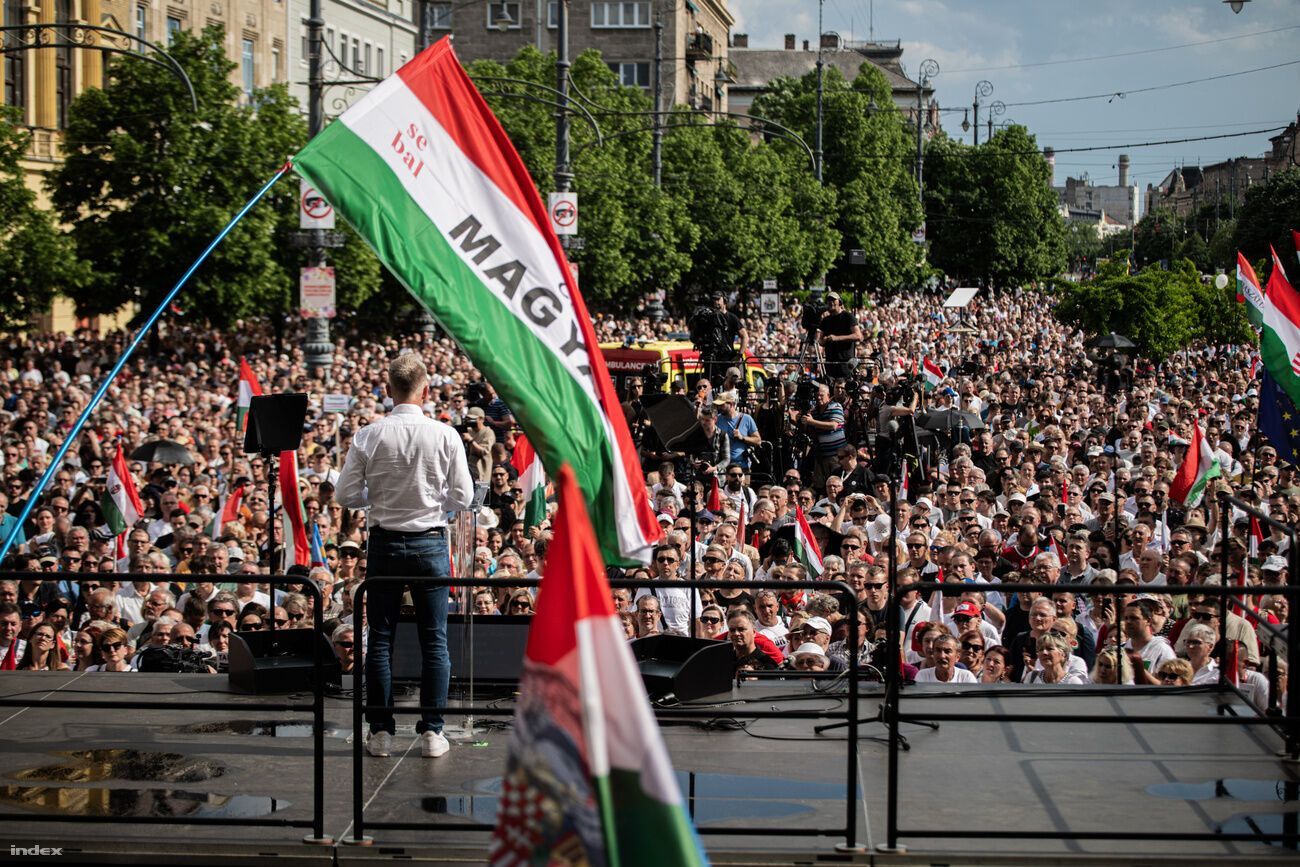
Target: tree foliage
[
  {"x": 1162, "y": 311},
  {"x": 1268, "y": 215},
  {"x": 991, "y": 214},
  {"x": 147, "y": 184},
  {"x": 35, "y": 258}
]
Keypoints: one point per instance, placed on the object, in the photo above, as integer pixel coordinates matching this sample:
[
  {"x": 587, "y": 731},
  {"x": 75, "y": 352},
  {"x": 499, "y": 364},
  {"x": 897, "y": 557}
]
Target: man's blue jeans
[{"x": 413, "y": 556}]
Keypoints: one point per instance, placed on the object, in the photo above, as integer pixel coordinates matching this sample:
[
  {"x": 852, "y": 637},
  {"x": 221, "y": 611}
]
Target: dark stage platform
[{"x": 1026, "y": 777}]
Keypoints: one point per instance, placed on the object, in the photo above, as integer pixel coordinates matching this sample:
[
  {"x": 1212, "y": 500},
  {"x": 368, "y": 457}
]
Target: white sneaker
[
  {"x": 433, "y": 745},
  {"x": 380, "y": 744}
]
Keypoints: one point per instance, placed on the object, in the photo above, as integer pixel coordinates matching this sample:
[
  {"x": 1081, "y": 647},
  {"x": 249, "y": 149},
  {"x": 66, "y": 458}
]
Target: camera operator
[
  {"x": 715, "y": 452},
  {"x": 479, "y": 439},
  {"x": 634, "y": 410},
  {"x": 840, "y": 335},
  {"x": 714, "y": 331}
]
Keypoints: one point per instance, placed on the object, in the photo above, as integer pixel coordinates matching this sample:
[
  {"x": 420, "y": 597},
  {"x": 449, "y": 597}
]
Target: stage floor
[{"x": 969, "y": 775}]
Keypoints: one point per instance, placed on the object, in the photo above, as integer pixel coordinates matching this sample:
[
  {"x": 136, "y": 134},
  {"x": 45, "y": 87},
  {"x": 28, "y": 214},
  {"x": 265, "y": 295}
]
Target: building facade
[
  {"x": 362, "y": 39},
  {"x": 1121, "y": 202},
  {"x": 694, "y": 47}
]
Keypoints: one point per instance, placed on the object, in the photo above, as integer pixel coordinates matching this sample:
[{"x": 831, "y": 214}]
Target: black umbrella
[
  {"x": 951, "y": 419},
  {"x": 1112, "y": 341},
  {"x": 162, "y": 452}
]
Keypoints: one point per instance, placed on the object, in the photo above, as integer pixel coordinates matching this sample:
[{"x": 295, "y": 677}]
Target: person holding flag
[
  {"x": 410, "y": 471},
  {"x": 249, "y": 388},
  {"x": 121, "y": 505}
]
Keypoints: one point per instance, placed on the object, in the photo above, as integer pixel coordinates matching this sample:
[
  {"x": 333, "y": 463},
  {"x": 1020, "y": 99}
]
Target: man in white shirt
[
  {"x": 410, "y": 470},
  {"x": 945, "y": 668},
  {"x": 1146, "y": 651}
]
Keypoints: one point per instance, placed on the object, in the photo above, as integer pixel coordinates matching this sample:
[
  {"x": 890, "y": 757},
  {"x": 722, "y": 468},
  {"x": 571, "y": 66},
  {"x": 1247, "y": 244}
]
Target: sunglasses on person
[
  {"x": 1205, "y": 616},
  {"x": 280, "y": 621},
  {"x": 916, "y": 546},
  {"x": 252, "y": 626},
  {"x": 712, "y": 559},
  {"x": 1168, "y": 677},
  {"x": 665, "y": 559},
  {"x": 112, "y": 646},
  {"x": 845, "y": 547},
  {"x": 344, "y": 644},
  {"x": 186, "y": 639},
  {"x": 224, "y": 612},
  {"x": 873, "y": 585},
  {"x": 970, "y": 645},
  {"x": 712, "y": 621}
]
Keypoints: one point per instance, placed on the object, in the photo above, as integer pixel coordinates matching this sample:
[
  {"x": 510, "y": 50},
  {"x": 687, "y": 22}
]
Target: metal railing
[
  {"x": 316, "y": 707},
  {"x": 849, "y": 715},
  {"x": 1287, "y": 724}
]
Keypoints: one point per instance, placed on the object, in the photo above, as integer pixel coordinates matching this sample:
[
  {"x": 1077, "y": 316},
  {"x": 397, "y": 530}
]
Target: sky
[{"x": 974, "y": 40}]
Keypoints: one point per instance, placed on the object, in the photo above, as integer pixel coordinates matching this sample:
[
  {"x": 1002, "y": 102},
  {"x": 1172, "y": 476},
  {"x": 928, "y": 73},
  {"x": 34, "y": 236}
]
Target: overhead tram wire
[
  {"x": 1136, "y": 53},
  {"x": 1123, "y": 94}
]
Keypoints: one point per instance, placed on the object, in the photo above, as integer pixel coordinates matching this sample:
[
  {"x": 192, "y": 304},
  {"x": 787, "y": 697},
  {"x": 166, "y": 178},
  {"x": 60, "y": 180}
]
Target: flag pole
[{"x": 57, "y": 461}]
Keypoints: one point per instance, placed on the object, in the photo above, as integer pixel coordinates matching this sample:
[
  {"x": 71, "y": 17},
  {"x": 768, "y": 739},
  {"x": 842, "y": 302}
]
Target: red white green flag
[
  {"x": 587, "y": 779},
  {"x": 249, "y": 388},
  {"x": 121, "y": 504},
  {"x": 532, "y": 481},
  {"x": 297, "y": 547},
  {"x": 805, "y": 545},
  {"x": 425, "y": 173},
  {"x": 1248, "y": 291},
  {"x": 1199, "y": 466},
  {"x": 1279, "y": 341},
  {"x": 933, "y": 375}
]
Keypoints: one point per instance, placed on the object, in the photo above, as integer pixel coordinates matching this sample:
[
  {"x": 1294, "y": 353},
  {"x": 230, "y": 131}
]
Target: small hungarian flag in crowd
[
  {"x": 587, "y": 778},
  {"x": 297, "y": 549},
  {"x": 248, "y": 389},
  {"x": 741, "y": 529},
  {"x": 532, "y": 480},
  {"x": 1248, "y": 291},
  {"x": 1279, "y": 341},
  {"x": 228, "y": 512},
  {"x": 1256, "y": 537},
  {"x": 121, "y": 504},
  {"x": 425, "y": 173},
  {"x": 714, "y": 501},
  {"x": 933, "y": 375},
  {"x": 805, "y": 545},
  {"x": 1194, "y": 473}
]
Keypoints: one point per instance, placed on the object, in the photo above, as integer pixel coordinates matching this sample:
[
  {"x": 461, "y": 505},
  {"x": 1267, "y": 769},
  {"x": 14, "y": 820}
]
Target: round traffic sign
[
  {"x": 564, "y": 212},
  {"x": 314, "y": 204}
]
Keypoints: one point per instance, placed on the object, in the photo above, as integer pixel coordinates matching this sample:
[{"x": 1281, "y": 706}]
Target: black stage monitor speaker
[
  {"x": 673, "y": 418},
  {"x": 275, "y": 423},
  {"x": 266, "y": 662},
  {"x": 686, "y": 668},
  {"x": 498, "y": 641}
]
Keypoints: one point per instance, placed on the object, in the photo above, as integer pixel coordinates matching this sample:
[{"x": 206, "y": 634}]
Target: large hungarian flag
[
  {"x": 587, "y": 777},
  {"x": 933, "y": 375},
  {"x": 1194, "y": 473},
  {"x": 249, "y": 388},
  {"x": 1248, "y": 291},
  {"x": 121, "y": 504},
  {"x": 1279, "y": 342},
  {"x": 805, "y": 545},
  {"x": 424, "y": 172},
  {"x": 532, "y": 481}
]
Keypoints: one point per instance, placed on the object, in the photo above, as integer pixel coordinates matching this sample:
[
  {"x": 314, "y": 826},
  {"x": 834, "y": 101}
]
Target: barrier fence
[
  {"x": 316, "y": 707},
  {"x": 849, "y": 714}
]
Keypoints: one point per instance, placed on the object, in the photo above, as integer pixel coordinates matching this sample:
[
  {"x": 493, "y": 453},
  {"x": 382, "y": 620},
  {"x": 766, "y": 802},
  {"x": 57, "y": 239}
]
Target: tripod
[{"x": 878, "y": 718}]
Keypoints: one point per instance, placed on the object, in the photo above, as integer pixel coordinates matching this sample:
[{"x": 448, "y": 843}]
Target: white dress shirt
[{"x": 410, "y": 470}]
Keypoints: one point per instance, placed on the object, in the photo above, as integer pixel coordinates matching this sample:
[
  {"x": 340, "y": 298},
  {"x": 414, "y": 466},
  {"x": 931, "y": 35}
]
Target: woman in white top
[
  {"x": 1053, "y": 657},
  {"x": 944, "y": 653},
  {"x": 115, "y": 650},
  {"x": 1199, "y": 640}
]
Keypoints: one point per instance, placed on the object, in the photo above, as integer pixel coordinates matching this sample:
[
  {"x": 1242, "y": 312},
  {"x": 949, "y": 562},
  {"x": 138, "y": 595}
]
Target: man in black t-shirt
[
  {"x": 840, "y": 335},
  {"x": 714, "y": 331}
]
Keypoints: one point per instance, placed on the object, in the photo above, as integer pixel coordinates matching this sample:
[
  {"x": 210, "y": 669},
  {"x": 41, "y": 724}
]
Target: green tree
[
  {"x": 1082, "y": 245},
  {"x": 868, "y": 158},
  {"x": 1195, "y": 250},
  {"x": 1157, "y": 237},
  {"x": 1161, "y": 311},
  {"x": 1268, "y": 215},
  {"x": 146, "y": 184},
  {"x": 1223, "y": 247},
  {"x": 990, "y": 212},
  {"x": 36, "y": 260}
]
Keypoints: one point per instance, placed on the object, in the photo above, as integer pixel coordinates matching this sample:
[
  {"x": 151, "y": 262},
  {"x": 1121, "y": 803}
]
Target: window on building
[
  {"x": 497, "y": 11},
  {"x": 402, "y": 58},
  {"x": 63, "y": 76},
  {"x": 15, "y": 69},
  {"x": 304, "y": 40},
  {"x": 329, "y": 37},
  {"x": 632, "y": 74},
  {"x": 141, "y": 21},
  {"x": 247, "y": 66},
  {"x": 441, "y": 16},
  {"x": 552, "y": 15},
  {"x": 275, "y": 64},
  {"x": 356, "y": 54},
  {"x": 369, "y": 51},
  {"x": 174, "y": 26},
  {"x": 619, "y": 14},
  {"x": 380, "y": 71}
]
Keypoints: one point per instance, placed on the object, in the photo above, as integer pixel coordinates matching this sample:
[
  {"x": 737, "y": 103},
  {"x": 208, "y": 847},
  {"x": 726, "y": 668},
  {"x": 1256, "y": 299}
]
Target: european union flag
[{"x": 1279, "y": 420}]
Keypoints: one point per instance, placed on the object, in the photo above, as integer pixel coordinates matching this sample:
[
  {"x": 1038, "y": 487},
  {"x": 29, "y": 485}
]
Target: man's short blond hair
[{"x": 407, "y": 376}]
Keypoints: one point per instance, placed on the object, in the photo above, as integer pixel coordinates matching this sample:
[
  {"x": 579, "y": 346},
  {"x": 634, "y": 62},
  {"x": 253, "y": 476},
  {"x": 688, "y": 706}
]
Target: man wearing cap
[
  {"x": 840, "y": 335},
  {"x": 714, "y": 331},
  {"x": 738, "y": 426},
  {"x": 410, "y": 471}
]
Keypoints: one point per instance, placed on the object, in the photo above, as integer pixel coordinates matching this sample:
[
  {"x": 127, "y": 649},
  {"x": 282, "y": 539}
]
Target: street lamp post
[
  {"x": 983, "y": 88},
  {"x": 929, "y": 70},
  {"x": 817, "y": 145},
  {"x": 318, "y": 349},
  {"x": 563, "y": 172}
]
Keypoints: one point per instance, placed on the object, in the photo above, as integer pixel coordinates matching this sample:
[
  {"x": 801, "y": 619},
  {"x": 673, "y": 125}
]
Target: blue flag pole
[{"x": 57, "y": 460}]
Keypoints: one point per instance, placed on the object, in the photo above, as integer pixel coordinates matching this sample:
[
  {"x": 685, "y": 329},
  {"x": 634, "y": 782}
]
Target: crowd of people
[{"x": 1058, "y": 472}]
